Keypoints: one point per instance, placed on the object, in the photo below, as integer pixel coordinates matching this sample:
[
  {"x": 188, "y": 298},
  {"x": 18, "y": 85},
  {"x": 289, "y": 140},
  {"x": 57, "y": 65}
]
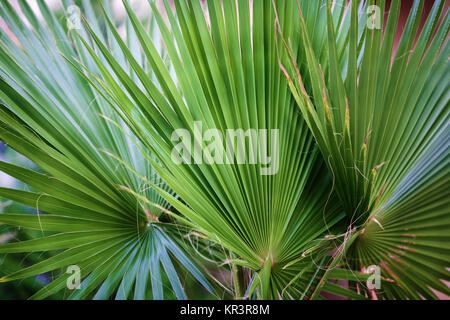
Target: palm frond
[
  {"x": 225, "y": 75},
  {"x": 382, "y": 129},
  {"x": 50, "y": 114}
]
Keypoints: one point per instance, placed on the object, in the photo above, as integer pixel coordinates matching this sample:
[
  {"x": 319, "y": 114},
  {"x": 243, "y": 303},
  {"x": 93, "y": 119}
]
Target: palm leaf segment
[
  {"x": 382, "y": 129},
  {"x": 50, "y": 114}
]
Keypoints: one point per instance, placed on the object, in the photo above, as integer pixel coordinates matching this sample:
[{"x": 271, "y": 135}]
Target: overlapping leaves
[{"x": 372, "y": 191}]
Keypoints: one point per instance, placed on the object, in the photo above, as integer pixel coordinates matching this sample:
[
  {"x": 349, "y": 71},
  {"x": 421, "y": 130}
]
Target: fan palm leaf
[
  {"x": 224, "y": 73},
  {"x": 382, "y": 129},
  {"x": 50, "y": 114}
]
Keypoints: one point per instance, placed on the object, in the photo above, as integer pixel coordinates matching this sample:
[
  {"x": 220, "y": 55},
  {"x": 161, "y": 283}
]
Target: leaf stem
[{"x": 238, "y": 281}]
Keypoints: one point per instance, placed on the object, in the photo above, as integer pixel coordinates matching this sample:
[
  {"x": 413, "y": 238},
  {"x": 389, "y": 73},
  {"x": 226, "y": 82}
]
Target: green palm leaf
[
  {"x": 383, "y": 129},
  {"x": 226, "y": 77},
  {"x": 50, "y": 114},
  {"x": 356, "y": 176}
]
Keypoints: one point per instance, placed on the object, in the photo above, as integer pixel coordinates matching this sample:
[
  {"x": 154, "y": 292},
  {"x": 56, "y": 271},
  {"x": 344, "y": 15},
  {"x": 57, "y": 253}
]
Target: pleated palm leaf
[
  {"x": 223, "y": 73},
  {"x": 381, "y": 120},
  {"x": 51, "y": 115}
]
